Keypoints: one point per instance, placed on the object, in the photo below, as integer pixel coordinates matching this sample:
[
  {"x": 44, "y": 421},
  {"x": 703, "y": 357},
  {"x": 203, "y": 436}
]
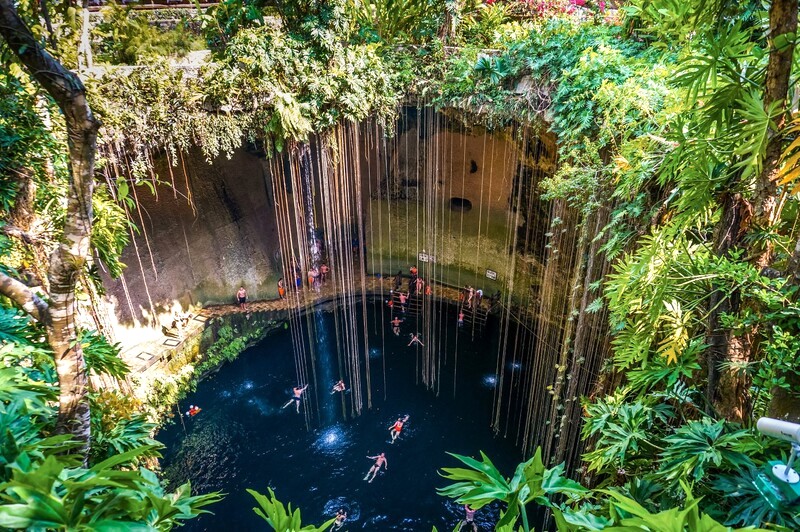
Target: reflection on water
[
  {"x": 489, "y": 381},
  {"x": 243, "y": 439}
]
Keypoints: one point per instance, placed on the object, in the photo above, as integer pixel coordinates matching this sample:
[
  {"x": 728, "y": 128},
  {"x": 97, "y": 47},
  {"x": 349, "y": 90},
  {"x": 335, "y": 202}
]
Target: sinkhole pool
[{"x": 243, "y": 439}]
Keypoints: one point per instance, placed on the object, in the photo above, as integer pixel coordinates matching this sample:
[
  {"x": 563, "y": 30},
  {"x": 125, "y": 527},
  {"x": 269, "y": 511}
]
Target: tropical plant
[
  {"x": 49, "y": 495},
  {"x": 281, "y": 518},
  {"x": 482, "y": 484},
  {"x": 393, "y": 20},
  {"x": 695, "y": 448},
  {"x": 628, "y": 515},
  {"x": 127, "y": 37}
]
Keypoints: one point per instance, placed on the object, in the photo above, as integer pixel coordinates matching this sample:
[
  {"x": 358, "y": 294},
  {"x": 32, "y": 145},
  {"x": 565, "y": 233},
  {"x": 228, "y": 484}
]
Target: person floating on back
[
  {"x": 338, "y": 387},
  {"x": 380, "y": 460},
  {"x": 297, "y": 393},
  {"x": 397, "y": 428},
  {"x": 415, "y": 339},
  {"x": 193, "y": 411},
  {"x": 241, "y": 297}
]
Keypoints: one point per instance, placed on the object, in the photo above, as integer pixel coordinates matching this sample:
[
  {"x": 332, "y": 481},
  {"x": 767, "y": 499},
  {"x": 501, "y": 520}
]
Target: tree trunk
[
  {"x": 782, "y": 29},
  {"x": 71, "y": 254},
  {"x": 727, "y": 390},
  {"x": 722, "y": 394}
]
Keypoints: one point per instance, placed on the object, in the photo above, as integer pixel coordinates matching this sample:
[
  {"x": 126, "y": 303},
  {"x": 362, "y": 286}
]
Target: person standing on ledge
[
  {"x": 297, "y": 393},
  {"x": 380, "y": 460},
  {"x": 398, "y": 280},
  {"x": 281, "y": 289},
  {"x": 241, "y": 297}
]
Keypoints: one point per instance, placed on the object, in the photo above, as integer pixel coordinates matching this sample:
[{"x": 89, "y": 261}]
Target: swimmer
[
  {"x": 396, "y": 325},
  {"x": 403, "y": 299},
  {"x": 193, "y": 411},
  {"x": 380, "y": 460},
  {"x": 395, "y": 429},
  {"x": 415, "y": 339},
  {"x": 297, "y": 393},
  {"x": 341, "y": 517},
  {"x": 461, "y": 318},
  {"x": 338, "y": 387},
  {"x": 469, "y": 519}
]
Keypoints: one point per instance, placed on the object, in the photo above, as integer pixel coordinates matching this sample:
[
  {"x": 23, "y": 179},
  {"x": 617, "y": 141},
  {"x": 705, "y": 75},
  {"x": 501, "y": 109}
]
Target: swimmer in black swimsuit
[
  {"x": 297, "y": 393},
  {"x": 396, "y": 325}
]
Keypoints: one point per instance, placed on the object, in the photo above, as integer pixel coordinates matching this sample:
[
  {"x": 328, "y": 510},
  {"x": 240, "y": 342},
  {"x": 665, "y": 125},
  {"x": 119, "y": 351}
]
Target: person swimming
[
  {"x": 338, "y": 387},
  {"x": 396, "y": 325},
  {"x": 415, "y": 339},
  {"x": 380, "y": 460},
  {"x": 193, "y": 411},
  {"x": 469, "y": 519},
  {"x": 397, "y": 428},
  {"x": 297, "y": 393},
  {"x": 341, "y": 517}
]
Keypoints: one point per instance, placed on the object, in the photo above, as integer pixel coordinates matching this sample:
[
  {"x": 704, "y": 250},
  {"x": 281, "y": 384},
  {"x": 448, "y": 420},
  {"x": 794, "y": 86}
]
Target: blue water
[{"x": 243, "y": 439}]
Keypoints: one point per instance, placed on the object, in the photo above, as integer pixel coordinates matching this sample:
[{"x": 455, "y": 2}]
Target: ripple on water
[
  {"x": 374, "y": 352},
  {"x": 334, "y": 440},
  {"x": 348, "y": 505},
  {"x": 489, "y": 381}
]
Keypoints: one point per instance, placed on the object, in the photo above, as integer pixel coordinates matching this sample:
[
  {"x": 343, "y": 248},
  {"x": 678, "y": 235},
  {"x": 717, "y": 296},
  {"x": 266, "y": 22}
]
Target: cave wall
[{"x": 199, "y": 240}]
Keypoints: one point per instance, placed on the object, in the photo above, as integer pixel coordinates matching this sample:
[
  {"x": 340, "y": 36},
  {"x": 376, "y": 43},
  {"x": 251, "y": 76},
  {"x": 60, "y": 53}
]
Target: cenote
[{"x": 242, "y": 438}]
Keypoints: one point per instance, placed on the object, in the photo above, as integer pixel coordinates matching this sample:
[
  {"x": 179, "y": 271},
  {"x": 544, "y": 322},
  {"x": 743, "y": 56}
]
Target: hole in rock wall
[{"x": 460, "y": 205}]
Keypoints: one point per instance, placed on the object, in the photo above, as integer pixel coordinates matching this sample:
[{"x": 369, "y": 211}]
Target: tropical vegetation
[{"x": 676, "y": 122}]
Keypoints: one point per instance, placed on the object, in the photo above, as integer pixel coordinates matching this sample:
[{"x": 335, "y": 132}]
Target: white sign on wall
[{"x": 491, "y": 274}]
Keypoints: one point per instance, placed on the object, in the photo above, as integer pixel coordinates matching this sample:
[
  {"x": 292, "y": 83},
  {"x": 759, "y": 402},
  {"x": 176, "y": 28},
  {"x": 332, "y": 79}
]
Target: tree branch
[
  {"x": 26, "y": 298},
  {"x": 15, "y": 232}
]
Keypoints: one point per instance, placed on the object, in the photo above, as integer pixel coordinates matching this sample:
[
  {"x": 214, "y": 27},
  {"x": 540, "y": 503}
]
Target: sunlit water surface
[{"x": 243, "y": 439}]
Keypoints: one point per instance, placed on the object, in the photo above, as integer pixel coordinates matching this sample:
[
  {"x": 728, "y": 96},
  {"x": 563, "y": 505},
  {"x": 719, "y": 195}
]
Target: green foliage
[
  {"x": 49, "y": 495},
  {"x": 220, "y": 22},
  {"x": 117, "y": 431},
  {"x": 281, "y": 518},
  {"x": 229, "y": 344},
  {"x": 630, "y": 515},
  {"x": 482, "y": 484},
  {"x": 43, "y": 486},
  {"x": 110, "y": 231},
  {"x": 391, "y": 21},
  {"x": 623, "y": 431},
  {"x": 744, "y": 504},
  {"x": 101, "y": 356},
  {"x": 125, "y": 37},
  {"x": 698, "y": 445}
]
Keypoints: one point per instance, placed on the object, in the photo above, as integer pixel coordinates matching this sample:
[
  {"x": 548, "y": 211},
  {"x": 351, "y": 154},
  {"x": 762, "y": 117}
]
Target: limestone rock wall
[{"x": 198, "y": 240}]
